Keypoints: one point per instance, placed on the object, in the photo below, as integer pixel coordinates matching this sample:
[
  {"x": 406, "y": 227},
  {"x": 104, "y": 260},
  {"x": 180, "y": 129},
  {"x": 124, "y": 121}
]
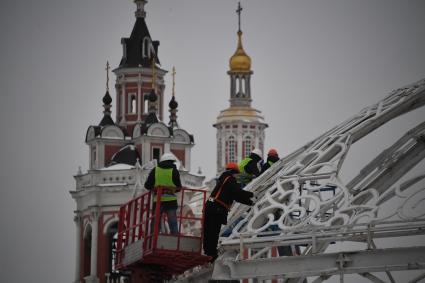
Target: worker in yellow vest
[
  {"x": 167, "y": 177},
  {"x": 250, "y": 167}
]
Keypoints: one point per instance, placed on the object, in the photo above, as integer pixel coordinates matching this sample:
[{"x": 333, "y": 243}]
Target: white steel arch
[{"x": 303, "y": 203}]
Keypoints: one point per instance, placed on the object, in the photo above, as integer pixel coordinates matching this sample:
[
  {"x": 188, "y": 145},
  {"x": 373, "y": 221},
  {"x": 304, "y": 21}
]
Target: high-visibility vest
[
  {"x": 244, "y": 177},
  {"x": 164, "y": 179},
  {"x": 270, "y": 163}
]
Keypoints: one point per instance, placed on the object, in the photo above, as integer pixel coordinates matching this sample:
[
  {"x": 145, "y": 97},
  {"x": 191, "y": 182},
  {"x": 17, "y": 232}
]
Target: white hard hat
[
  {"x": 168, "y": 156},
  {"x": 257, "y": 152}
]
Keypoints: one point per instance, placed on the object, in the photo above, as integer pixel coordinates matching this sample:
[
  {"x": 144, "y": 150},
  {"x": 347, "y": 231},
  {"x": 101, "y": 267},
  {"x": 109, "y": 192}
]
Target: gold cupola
[{"x": 240, "y": 61}]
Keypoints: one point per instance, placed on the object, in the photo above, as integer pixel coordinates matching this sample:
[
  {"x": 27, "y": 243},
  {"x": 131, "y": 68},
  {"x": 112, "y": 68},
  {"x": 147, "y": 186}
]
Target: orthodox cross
[
  {"x": 107, "y": 75},
  {"x": 238, "y": 11},
  {"x": 173, "y": 73}
]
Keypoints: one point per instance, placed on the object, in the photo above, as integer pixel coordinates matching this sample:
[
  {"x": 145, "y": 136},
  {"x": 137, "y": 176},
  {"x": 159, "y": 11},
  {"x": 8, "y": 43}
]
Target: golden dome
[{"x": 240, "y": 61}]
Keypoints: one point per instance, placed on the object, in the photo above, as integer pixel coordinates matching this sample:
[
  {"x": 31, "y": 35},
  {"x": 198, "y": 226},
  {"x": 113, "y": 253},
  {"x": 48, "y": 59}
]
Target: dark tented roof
[
  {"x": 133, "y": 45},
  {"x": 106, "y": 120},
  {"x": 151, "y": 119}
]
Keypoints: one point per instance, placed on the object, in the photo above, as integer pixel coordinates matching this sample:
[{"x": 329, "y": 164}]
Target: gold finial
[
  {"x": 238, "y": 11},
  {"x": 107, "y": 75},
  {"x": 173, "y": 73},
  {"x": 153, "y": 72}
]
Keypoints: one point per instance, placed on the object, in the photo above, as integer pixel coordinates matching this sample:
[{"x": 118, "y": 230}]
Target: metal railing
[{"x": 141, "y": 223}]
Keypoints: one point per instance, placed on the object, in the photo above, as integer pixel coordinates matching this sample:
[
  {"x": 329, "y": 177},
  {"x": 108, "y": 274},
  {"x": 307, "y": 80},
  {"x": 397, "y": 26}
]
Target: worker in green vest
[
  {"x": 166, "y": 177},
  {"x": 250, "y": 167}
]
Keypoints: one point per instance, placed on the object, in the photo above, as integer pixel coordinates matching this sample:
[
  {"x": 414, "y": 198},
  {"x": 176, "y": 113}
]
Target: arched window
[
  {"x": 112, "y": 235},
  {"x": 246, "y": 146},
  {"x": 146, "y": 104},
  {"x": 231, "y": 150},
  {"x": 239, "y": 92},
  {"x": 132, "y": 104},
  {"x": 146, "y": 47},
  {"x": 87, "y": 251},
  {"x": 110, "y": 259}
]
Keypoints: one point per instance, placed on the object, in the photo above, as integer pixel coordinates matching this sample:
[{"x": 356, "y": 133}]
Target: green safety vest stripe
[
  {"x": 164, "y": 178},
  {"x": 244, "y": 177},
  {"x": 243, "y": 163},
  {"x": 167, "y": 198}
]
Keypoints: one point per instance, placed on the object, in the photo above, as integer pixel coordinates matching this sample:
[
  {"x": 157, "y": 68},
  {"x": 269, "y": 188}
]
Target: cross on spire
[
  {"x": 238, "y": 11},
  {"x": 173, "y": 73},
  {"x": 107, "y": 75}
]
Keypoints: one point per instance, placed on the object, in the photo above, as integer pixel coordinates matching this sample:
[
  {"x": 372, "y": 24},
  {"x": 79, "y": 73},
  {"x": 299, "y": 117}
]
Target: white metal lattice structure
[{"x": 302, "y": 202}]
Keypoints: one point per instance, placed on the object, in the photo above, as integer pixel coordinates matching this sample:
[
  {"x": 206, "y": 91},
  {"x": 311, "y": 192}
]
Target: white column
[
  {"x": 146, "y": 155},
  {"x": 96, "y": 156},
  {"x": 139, "y": 98},
  {"x": 239, "y": 141},
  {"x": 117, "y": 101},
  {"x": 223, "y": 146},
  {"x": 248, "y": 86},
  {"x": 94, "y": 233},
  {"x": 187, "y": 150},
  {"x": 123, "y": 103},
  {"x": 167, "y": 147},
  {"x": 77, "y": 220},
  {"x": 100, "y": 155},
  {"x": 257, "y": 138},
  {"x": 218, "y": 152}
]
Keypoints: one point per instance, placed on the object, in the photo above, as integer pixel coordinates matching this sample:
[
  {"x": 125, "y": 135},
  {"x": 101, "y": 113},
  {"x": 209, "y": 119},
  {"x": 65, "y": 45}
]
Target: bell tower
[
  {"x": 240, "y": 128},
  {"x": 123, "y": 152},
  {"x": 135, "y": 76}
]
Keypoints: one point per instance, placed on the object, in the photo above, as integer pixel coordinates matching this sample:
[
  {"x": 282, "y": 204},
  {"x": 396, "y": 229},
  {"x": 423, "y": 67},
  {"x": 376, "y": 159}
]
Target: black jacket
[
  {"x": 150, "y": 181},
  {"x": 252, "y": 166},
  {"x": 266, "y": 164},
  {"x": 231, "y": 190}
]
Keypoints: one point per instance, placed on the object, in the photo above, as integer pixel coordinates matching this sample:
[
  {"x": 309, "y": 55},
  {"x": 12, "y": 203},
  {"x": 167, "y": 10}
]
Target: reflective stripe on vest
[
  {"x": 164, "y": 179},
  {"x": 244, "y": 177}
]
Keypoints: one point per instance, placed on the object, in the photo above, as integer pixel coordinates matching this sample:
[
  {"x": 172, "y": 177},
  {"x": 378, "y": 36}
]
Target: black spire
[
  {"x": 107, "y": 120},
  {"x": 107, "y": 99},
  {"x": 173, "y": 104},
  {"x": 139, "y": 48},
  {"x": 173, "y": 113},
  {"x": 152, "y": 96}
]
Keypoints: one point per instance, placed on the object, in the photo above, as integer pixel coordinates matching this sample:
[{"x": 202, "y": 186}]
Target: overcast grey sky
[{"x": 315, "y": 64}]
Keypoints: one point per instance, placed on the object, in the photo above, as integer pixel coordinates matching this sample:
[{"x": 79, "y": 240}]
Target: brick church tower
[{"x": 122, "y": 152}]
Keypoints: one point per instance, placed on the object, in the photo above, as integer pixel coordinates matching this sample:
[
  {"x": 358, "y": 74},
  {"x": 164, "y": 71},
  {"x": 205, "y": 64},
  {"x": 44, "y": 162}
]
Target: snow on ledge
[
  {"x": 112, "y": 184},
  {"x": 120, "y": 166}
]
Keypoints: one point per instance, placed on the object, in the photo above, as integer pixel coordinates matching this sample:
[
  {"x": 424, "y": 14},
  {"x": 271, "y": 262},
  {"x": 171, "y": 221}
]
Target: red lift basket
[{"x": 143, "y": 238}]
